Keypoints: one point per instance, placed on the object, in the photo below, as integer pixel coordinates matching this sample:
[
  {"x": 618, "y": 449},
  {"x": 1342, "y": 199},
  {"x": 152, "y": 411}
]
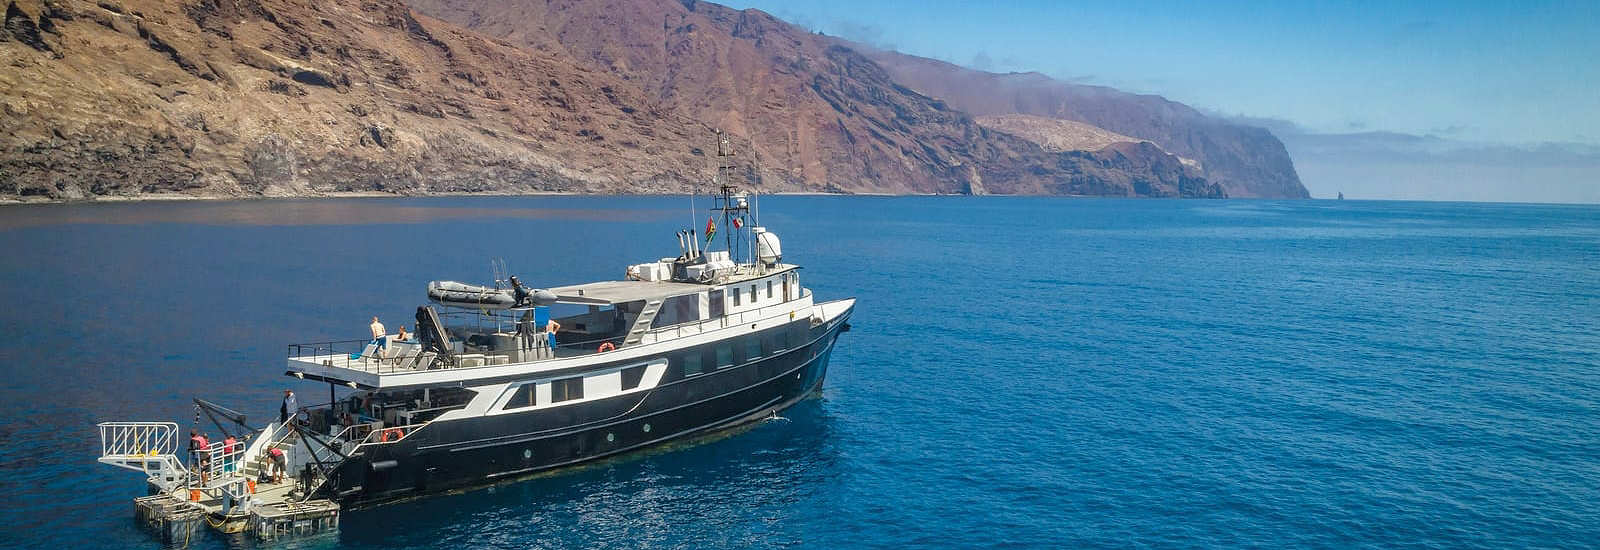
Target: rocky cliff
[
  {"x": 1248, "y": 161},
  {"x": 295, "y": 97},
  {"x": 289, "y": 97}
]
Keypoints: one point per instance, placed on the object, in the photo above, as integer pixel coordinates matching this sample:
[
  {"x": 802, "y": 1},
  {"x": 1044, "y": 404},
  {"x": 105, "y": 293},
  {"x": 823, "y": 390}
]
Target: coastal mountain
[
  {"x": 291, "y": 97},
  {"x": 1247, "y": 161},
  {"x": 816, "y": 111}
]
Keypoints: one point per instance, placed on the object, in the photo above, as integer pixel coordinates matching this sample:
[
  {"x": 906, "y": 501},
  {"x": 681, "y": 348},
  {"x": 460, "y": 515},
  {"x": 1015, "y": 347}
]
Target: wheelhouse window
[
  {"x": 566, "y": 389},
  {"x": 724, "y": 356},
  {"x": 631, "y": 377},
  {"x": 523, "y": 398},
  {"x": 679, "y": 309},
  {"x": 691, "y": 364},
  {"x": 752, "y": 348}
]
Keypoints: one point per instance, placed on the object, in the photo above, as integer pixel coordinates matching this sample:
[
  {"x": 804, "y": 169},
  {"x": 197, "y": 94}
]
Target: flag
[
  {"x": 711, "y": 229},
  {"x": 738, "y": 223}
]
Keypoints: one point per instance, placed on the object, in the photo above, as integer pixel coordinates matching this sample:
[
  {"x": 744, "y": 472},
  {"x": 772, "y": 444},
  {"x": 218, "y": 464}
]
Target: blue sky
[
  {"x": 1507, "y": 72},
  {"x": 1503, "y": 78}
]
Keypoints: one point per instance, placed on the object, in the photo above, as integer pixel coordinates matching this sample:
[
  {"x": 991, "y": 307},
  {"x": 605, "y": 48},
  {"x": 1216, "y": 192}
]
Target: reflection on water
[
  {"x": 631, "y": 501},
  {"x": 289, "y": 212}
]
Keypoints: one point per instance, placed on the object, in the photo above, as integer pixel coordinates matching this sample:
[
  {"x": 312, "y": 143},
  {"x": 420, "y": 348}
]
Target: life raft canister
[{"x": 608, "y": 346}]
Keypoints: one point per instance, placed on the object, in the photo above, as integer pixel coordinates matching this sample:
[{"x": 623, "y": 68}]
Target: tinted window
[
  {"x": 714, "y": 302},
  {"x": 769, "y": 288},
  {"x": 691, "y": 364},
  {"x": 780, "y": 340},
  {"x": 735, "y": 295},
  {"x": 752, "y": 293},
  {"x": 523, "y": 398},
  {"x": 631, "y": 377},
  {"x": 752, "y": 347},
  {"x": 724, "y": 355},
  {"x": 678, "y": 309},
  {"x": 566, "y": 389}
]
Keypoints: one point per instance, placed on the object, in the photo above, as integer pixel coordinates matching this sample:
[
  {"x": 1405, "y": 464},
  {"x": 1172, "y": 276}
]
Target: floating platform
[
  {"x": 175, "y": 521},
  {"x": 293, "y": 519},
  {"x": 172, "y": 520}
]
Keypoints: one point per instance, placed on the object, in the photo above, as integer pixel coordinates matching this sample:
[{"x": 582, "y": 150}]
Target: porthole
[
  {"x": 611, "y": 437},
  {"x": 646, "y": 428},
  {"x": 527, "y": 454}
]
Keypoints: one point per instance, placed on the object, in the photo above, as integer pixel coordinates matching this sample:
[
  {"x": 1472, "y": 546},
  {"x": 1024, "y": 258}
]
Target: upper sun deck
[{"x": 624, "y": 318}]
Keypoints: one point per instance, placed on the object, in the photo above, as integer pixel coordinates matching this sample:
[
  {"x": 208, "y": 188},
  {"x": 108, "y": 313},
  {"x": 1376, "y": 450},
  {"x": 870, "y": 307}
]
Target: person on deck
[
  {"x": 402, "y": 336},
  {"x": 550, "y": 329},
  {"x": 520, "y": 293},
  {"x": 280, "y": 464},
  {"x": 200, "y": 443},
  {"x": 229, "y": 445},
  {"x": 379, "y": 334},
  {"x": 289, "y": 407}
]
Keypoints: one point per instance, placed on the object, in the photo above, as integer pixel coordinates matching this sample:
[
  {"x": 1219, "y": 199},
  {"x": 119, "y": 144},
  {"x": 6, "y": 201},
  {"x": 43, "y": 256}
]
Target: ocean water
[{"x": 1022, "y": 373}]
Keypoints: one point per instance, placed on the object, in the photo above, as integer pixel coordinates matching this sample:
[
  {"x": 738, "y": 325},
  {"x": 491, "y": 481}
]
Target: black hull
[{"x": 467, "y": 452}]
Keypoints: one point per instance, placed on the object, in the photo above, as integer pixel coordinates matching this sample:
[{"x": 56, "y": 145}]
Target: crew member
[{"x": 288, "y": 408}]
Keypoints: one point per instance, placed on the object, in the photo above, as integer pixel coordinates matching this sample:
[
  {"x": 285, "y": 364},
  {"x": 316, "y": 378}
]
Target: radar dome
[{"x": 768, "y": 249}]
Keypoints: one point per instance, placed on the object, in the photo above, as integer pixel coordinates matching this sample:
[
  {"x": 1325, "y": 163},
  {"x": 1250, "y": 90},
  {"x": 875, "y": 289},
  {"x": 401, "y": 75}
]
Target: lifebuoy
[
  {"x": 608, "y": 346},
  {"x": 391, "y": 434}
]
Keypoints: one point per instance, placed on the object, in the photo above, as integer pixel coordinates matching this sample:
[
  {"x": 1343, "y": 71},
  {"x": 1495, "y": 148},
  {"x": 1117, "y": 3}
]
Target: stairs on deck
[{"x": 641, "y": 325}]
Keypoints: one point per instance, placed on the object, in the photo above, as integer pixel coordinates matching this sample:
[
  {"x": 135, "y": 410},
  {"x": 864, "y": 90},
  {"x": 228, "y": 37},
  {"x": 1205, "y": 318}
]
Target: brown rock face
[
  {"x": 819, "y": 115},
  {"x": 289, "y": 97},
  {"x": 301, "y": 97}
]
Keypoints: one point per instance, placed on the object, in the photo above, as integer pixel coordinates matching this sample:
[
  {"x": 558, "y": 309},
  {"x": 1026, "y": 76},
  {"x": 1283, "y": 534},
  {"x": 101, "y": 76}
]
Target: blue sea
[{"x": 1022, "y": 372}]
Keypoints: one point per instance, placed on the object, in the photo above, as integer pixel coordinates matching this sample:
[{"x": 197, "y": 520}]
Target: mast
[{"x": 733, "y": 205}]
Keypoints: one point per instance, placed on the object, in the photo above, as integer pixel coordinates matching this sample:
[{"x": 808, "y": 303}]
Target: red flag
[{"x": 738, "y": 223}]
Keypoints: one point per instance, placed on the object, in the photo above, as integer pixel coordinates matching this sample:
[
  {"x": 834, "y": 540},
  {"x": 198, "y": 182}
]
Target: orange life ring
[
  {"x": 608, "y": 346},
  {"x": 392, "y": 434}
]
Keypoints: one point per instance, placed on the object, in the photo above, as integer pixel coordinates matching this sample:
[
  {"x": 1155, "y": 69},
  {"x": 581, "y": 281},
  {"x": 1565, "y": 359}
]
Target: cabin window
[
  {"x": 678, "y": 309},
  {"x": 631, "y": 377},
  {"x": 752, "y": 348},
  {"x": 524, "y": 397},
  {"x": 780, "y": 340},
  {"x": 752, "y": 294},
  {"x": 724, "y": 356},
  {"x": 735, "y": 295},
  {"x": 714, "y": 303},
  {"x": 691, "y": 364},
  {"x": 769, "y": 289},
  {"x": 566, "y": 389}
]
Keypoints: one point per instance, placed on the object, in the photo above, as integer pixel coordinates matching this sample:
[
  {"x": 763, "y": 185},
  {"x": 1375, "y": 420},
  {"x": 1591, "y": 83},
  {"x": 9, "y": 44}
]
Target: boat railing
[
  {"x": 217, "y": 463},
  {"x": 352, "y": 354},
  {"x": 733, "y": 319},
  {"x": 391, "y": 434},
  {"x": 137, "y": 439}
]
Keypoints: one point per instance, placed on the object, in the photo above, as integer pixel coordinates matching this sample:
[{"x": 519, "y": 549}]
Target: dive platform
[{"x": 234, "y": 486}]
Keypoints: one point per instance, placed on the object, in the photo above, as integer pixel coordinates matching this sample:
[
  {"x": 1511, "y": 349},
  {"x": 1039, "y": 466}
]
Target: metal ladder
[
  {"x": 641, "y": 324},
  {"x": 149, "y": 447}
]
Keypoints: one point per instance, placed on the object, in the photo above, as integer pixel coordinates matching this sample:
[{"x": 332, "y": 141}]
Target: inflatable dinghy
[{"x": 463, "y": 295}]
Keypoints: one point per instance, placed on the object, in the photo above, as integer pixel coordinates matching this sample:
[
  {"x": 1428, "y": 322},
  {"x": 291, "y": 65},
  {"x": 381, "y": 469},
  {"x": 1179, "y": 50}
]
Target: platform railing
[
  {"x": 219, "y": 462},
  {"x": 137, "y": 439}
]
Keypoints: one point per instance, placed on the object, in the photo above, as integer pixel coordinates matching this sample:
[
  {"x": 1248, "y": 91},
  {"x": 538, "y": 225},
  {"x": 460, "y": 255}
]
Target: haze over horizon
[{"x": 1434, "y": 101}]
